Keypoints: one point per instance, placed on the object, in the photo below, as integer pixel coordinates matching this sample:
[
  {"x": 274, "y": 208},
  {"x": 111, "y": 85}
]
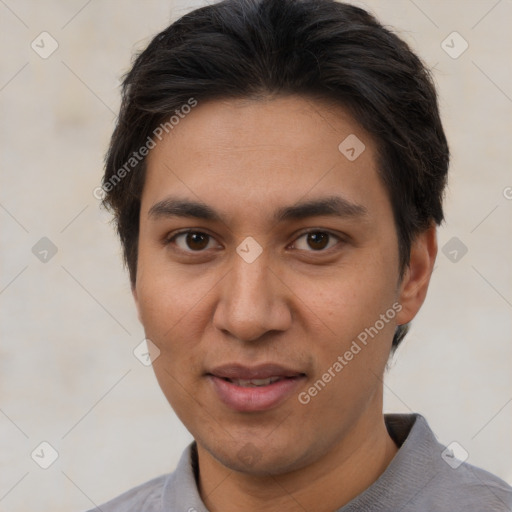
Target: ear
[
  {"x": 136, "y": 299},
  {"x": 414, "y": 285}
]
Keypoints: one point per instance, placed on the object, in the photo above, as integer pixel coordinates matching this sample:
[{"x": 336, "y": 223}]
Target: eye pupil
[
  {"x": 197, "y": 241},
  {"x": 318, "y": 240}
]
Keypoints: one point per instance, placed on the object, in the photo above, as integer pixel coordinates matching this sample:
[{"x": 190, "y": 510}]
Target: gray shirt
[{"x": 423, "y": 476}]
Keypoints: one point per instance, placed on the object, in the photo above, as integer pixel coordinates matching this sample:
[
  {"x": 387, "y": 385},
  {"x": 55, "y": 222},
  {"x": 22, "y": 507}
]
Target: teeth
[{"x": 255, "y": 382}]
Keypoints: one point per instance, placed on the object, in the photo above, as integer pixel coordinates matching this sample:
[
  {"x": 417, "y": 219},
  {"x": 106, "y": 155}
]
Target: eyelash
[{"x": 171, "y": 238}]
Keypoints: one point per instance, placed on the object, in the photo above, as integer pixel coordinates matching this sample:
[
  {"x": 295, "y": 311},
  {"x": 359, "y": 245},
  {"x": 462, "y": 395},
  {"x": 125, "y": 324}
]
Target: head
[{"x": 271, "y": 119}]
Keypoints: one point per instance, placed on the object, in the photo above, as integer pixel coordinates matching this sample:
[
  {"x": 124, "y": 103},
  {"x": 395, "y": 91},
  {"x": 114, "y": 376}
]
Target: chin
[{"x": 260, "y": 458}]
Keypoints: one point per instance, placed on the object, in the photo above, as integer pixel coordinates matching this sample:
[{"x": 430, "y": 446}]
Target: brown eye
[
  {"x": 316, "y": 241},
  {"x": 192, "y": 241},
  {"x": 197, "y": 241}
]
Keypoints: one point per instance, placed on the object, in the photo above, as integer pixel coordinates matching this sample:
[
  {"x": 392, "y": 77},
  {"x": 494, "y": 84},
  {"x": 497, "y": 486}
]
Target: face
[{"x": 266, "y": 253}]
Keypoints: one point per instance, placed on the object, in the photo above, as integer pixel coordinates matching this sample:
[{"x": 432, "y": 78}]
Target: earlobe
[{"x": 414, "y": 285}]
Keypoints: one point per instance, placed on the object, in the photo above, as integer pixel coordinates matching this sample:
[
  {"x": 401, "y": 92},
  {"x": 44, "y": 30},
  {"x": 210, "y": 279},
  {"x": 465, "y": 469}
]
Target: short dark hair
[{"x": 318, "y": 48}]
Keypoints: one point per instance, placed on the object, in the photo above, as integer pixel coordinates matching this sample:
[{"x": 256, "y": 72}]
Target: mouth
[
  {"x": 255, "y": 382},
  {"x": 253, "y": 389}
]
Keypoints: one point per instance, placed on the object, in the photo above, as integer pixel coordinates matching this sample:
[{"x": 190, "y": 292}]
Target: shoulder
[
  {"x": 445, "y": 483},
  {"x": 425, "y": 475},
  {"x": 146, "y": 497},
  {"x": 166, "y": 493},
  {"x": 468, "y": 488}
]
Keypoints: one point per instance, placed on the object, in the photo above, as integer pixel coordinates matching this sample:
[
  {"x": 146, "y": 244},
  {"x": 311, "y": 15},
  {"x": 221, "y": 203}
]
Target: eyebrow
[{"x": 329, "y": 206}]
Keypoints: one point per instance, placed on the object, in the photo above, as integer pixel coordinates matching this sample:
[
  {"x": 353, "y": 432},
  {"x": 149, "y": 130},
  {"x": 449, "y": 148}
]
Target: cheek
[
  {"x": 354, "y": 311},
  {"x": 175, "y": 308},
  {"x": 350, "y": 300},
  {"x": 173, "y": 319},
  {"x": 168, "y": 296},
  {"x": 360, "y": 330},
  {"x": 357, "y": 328}
]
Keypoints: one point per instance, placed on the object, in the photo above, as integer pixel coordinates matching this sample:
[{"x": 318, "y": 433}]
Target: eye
[
  {"x": 198, "y": 241},
  {"x": 192, "y": 241},
  {"x": 316, "y": 240}
]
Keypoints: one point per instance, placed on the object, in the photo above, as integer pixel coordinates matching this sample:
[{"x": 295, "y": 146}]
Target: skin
[{"x": 299, "y": 303}]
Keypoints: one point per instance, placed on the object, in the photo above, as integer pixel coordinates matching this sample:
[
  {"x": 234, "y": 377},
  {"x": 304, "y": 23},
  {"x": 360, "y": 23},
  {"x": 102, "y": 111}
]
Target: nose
[{"x": 253, "y": 301}]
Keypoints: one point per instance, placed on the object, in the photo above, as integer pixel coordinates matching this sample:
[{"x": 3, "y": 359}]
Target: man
[{"x": 276, "y": 176}]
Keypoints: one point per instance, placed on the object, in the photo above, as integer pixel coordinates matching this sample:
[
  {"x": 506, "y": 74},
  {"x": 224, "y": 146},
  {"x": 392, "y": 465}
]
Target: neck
[{"x": 329, "y": 483}]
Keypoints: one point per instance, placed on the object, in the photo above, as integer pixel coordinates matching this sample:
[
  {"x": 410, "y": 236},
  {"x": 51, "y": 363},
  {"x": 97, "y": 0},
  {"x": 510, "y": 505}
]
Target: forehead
[
  {"x": 258, "y": 153},
  {"x": 271, "y": 124}
]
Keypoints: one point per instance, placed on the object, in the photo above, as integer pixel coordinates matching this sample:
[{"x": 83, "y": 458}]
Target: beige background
[{"x": 68, "y": 326}]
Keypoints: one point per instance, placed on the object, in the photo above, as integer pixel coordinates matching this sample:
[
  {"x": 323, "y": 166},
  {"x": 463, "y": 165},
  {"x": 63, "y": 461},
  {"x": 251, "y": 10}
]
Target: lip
[
  {"x": 254, "y": 399},
  {"x": 261, "y": 371}
]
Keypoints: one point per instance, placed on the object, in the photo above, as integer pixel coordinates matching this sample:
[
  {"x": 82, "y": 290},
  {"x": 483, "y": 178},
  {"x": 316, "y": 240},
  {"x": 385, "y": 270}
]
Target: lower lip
[{"x": 255, "y": 398}]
